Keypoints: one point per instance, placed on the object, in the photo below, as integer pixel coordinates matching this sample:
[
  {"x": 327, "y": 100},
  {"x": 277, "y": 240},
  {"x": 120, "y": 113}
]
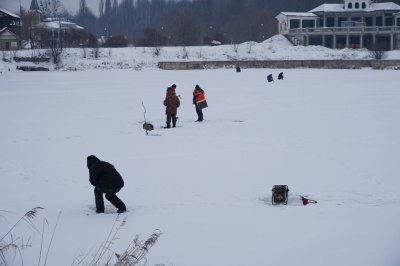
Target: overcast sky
[{"x": 71, "y": 5}]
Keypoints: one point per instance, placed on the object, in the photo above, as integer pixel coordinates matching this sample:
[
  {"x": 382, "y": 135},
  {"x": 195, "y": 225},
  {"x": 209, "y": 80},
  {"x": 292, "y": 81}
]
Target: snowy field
[{"x": 330, "y": 135}]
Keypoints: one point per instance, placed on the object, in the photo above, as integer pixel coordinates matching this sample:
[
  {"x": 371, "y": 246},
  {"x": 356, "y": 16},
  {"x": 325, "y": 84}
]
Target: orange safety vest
[{"x": 198, "y": 95}]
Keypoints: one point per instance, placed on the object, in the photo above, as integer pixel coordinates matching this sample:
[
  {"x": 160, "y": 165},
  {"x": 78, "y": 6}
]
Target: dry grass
[
  {"x": 134, "y": 255},
  {"x": 11, "y": 246}
]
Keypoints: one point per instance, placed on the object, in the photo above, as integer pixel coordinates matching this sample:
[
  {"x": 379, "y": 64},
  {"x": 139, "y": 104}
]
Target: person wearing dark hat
[
  {"x": 198, "y": 95},
  {"x": 171, "y": 103},
  {"x": 172, "y": 88},
  {"x": 106, "y": 180}
]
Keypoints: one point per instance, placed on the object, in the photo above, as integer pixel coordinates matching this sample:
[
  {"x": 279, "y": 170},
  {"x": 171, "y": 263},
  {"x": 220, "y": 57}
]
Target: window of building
[
  {"x": 350, "y": 6},
  {"x": 356, "y": 19},
  {"x": 330, "y": 22},
  {"x": 379, "y": 21},
  {"x": 340, "y": 20},
  {"x": 357, "y": 5},
  {"x": 294, "y": 23},
  {"x": 368, "y": 21},
  {"x": 389, "y": 21},
  {"x": 363, "y": 5},
  {"x": 307, "y": 23}
]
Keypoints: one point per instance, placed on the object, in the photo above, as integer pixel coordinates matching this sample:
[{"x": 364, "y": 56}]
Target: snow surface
[
  {"x": 275, "y": 48},
  {"x": 330, "y": 135}
]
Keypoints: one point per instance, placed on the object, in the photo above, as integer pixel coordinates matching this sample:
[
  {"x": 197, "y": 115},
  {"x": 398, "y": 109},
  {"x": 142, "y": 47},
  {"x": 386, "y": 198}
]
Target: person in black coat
[{"x": 105, "y": 179}]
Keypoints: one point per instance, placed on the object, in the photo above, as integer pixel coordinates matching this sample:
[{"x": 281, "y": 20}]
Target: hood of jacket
[{"x": 92, "y": 160}]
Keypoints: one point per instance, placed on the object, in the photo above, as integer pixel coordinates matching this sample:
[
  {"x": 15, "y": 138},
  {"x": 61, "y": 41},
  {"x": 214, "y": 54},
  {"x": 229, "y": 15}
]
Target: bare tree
[
  {"x": 50, "y": 8},
  {"x": 186, "y": 28},
  {"x": 54, "y": 43},
  {"x": 29, "y": 31},
  {"x": 101, "y": 8},
  {"x": 377, "y": 53},
  {"x": 190, "y": 22}
]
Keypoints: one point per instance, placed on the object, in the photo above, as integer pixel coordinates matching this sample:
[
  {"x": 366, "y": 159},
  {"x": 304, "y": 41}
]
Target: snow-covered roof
[
  {"x": 384, "y": 6},
  {"x": 9, "y": 13},
  {"x": 299, "y": 14},
  {"x": 340, "y": 7},
  {"x": 56, "y": 25},
  {"x": 34, "y": 6},
  {"x": 328, "y": 8},
  {"x": 6, "y": 31}
]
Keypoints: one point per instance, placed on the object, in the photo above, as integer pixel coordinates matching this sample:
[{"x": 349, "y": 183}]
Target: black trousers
[
  {"x": 111, "y": 196},
  {"x": 171, "y": 117},
  {"x": 199, "y": 113}
]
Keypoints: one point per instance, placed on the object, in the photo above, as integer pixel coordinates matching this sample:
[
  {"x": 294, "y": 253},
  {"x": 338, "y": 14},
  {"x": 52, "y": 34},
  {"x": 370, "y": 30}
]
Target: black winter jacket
[{"x": 103, "y": 174}]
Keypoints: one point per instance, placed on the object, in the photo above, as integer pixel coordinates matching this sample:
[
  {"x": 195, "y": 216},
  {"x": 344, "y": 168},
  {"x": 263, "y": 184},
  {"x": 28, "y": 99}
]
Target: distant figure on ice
[
  {"x": 280, "y": 76},
  {"x": 172, "y": 88},
  {"x": 238, "y": 69},
  {"x": 270, "y": 78},
  {"x": 199, "y": 101},
  {"x": 171, "y": 103},
  {"x": 105, "y": 179},
  {"x": 307, "y": 201}
]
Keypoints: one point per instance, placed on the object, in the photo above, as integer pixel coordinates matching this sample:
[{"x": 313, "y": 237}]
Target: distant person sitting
[
  {"x": 238, "y": 69},
  {"x": 270, "y": 78},
  {"x": 280, "y": 76}
]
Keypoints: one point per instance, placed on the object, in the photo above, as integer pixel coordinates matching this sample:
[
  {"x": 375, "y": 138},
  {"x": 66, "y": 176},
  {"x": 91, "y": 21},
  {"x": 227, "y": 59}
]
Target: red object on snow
[{"x": 307, "y": 201}]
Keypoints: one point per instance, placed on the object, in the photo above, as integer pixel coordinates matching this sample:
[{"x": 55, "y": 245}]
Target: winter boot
[
  {"x": 168, "y": 125},
  {"x": 173, "y": 124},
  {"x": 121, "y": 208}
]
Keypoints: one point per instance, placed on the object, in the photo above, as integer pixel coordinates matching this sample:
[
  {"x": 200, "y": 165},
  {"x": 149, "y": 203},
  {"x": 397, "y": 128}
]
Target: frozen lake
[{"x": 330, "y": 135}]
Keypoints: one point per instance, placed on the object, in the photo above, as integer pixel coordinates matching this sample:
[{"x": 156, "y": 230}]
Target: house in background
[
  {"x": 47, "y": 27},
  {"x": 8, "y": 40},
  {"x": 353, "y": 24},
  {"x": 58, "y": 23},
  {"x": 9, "y": 30}
]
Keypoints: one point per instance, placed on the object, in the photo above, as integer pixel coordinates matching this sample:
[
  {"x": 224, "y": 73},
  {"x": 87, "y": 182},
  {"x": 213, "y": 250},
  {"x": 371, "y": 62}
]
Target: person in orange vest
[{"x": 198, "y": 95}]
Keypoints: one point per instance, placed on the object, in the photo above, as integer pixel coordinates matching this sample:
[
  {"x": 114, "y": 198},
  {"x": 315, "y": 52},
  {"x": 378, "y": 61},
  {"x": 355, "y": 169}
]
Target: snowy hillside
[{"x": 275, "y": 48}]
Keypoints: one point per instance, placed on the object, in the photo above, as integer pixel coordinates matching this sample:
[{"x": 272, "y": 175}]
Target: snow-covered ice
[{"x": 330, "y": 135}]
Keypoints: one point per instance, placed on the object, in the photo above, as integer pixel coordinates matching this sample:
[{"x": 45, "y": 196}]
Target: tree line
[{"x": 185, "y": 23}]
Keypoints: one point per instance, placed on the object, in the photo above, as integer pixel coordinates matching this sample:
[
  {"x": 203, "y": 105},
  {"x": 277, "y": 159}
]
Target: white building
[
  {"x": 58, "y": 23},
  {"x": 353, "y": 24}
]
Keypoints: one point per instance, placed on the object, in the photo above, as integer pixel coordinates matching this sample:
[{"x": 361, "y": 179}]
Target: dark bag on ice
[{"x": 202, "y": 104}]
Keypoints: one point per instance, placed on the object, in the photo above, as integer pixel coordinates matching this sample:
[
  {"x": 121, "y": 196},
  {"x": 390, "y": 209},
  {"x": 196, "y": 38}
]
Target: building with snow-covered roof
[
  {"x": 9, "y": 20},
  {"x": 353, "y": 24},
  {"x": 58, "y": 23},
  {"x": 59, "y": 30},
  {"x": 9, "y": 30},
  {"x": 8, "y": 40}
]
